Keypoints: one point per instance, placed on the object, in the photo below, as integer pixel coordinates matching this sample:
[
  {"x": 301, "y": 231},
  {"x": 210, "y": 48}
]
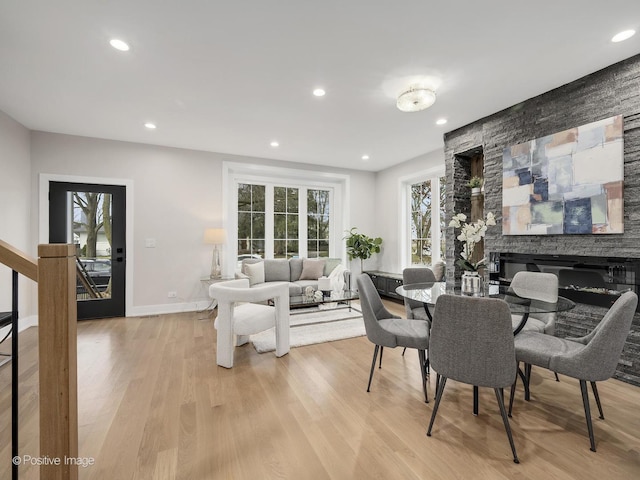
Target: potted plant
[
  {"x": 476, "y": 184},
  {"x": 361, "y": 246}
]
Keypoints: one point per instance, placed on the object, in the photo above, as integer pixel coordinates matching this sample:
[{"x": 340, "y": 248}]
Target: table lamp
[{"x": 215, "y": 237}]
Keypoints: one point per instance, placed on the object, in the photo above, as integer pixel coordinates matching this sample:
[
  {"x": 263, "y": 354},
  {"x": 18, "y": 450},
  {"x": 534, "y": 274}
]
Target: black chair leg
[
  {"x": 437, "y": 382},
  {"x": 527, "y": 380},
  {"x": 597, "y": 397},
  {"x": 404, "y": 350},
  {"x": 513, "y": 390},
  {"x": 381, "y": 350},
  {"x": 423, "y": 373},
  {"x": 373, "y": 365},
  {"x": 556, "y": 374},
  {"x": 505, "y": 420},
  {"x": 439, "y": 388},
  {"x": 587, "y": 412}
]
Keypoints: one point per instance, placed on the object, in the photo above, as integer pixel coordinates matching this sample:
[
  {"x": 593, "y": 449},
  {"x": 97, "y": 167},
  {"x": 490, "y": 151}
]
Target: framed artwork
[{"x": 570, "y": 182}]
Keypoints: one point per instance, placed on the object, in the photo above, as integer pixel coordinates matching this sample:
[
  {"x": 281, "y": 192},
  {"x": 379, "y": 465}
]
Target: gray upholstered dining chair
[
  {"x": 539, "y": 287},
  {"x": 413, "y": 309},
  {"x": 387, "y": 330},
  {"x": 592, "y": 358},
  {"x": 472, "y": 342}
]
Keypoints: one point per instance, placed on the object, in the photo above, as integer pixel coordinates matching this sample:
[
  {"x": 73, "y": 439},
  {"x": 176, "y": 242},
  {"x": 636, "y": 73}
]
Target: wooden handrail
[{"x": 18, "y": 261}]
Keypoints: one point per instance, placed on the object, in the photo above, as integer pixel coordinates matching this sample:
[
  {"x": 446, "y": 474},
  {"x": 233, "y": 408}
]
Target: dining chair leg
[
  {"x": 527, "y": 380},
  {"x": 505, "y": 420},
  {"x": 597, "y": 397},
  {"x": 475, "y": 400},
  {"x": 423, "y": 373},
  {"x": 587, "y": 412},
  {"x": 381, "y": 350},
  {"x": 439, "y": 388},
  {"x": 513, "y": 390},
  {"x": 437, "y": 382},
  {"x": 556, "y": 374},
  {"x": 373, "y": 365},
  {"x": 404, "y": 350}
]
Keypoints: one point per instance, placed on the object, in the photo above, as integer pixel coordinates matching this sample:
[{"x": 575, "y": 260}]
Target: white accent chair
[{"x": 239, "y": 319}]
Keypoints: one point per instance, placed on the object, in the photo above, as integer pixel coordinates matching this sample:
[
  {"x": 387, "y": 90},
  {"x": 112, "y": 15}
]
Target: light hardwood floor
[{"x": 153, "y": 405}]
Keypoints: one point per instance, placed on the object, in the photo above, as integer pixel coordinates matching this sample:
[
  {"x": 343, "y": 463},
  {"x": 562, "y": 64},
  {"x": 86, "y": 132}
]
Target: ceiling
[{"x": 232, "y": 76}]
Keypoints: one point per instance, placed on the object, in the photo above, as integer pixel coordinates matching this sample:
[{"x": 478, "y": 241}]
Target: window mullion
[
  {"x": 302, "y": 222},
  {"x": 268, "y": 221}
]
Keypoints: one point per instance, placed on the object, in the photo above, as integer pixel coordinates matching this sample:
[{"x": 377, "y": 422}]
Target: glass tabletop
[
  {"x": 428, "y": 293},
  {"x": 334, "y": 296}
]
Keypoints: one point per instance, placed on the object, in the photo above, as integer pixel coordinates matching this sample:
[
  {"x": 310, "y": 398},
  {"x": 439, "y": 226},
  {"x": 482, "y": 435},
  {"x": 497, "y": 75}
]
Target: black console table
[{"x": 386, "y": 283}]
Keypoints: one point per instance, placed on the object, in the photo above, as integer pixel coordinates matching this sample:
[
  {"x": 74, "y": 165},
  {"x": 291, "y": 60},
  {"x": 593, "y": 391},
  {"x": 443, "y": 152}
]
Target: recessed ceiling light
[
  {"x": 150, "y": 126},
  {"x": 441, "y": 121},
  {"x": 319, "y": 92},
  {"x": 119, "y": 45},
  {"x": 365, "y": 157},
  {"x": 274, "y": 144},
  {"x": 622, "y": 36}
]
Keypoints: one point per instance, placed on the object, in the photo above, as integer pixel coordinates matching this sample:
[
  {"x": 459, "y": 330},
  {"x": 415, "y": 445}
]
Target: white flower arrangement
[{"x": 470, "y": 235}]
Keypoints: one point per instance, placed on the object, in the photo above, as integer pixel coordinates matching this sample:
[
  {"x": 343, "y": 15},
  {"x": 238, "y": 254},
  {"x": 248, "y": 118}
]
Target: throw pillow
[
  {"x": 255, "y": 272},
  {"x": 438, "y": 270},
  {"x": 312, "y": 269},
  {"x": 330, "y": 265}
]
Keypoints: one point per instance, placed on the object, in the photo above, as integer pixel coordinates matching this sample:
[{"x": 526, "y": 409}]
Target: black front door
[{"x": 92, "y": 217}]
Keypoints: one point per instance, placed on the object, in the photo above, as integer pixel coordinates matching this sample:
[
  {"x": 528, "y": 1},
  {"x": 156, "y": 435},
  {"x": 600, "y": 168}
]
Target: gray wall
[{"x": 612, "y": 91}]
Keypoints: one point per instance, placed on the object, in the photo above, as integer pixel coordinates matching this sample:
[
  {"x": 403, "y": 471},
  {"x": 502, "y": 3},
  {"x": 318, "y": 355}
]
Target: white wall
[
  {"x": 177, "y": 193},
  {"x": 15, "y": 201},
  {"x": 388, "y": 206}
]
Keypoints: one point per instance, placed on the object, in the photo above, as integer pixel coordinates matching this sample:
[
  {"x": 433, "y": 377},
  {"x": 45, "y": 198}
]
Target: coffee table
[{"x": 342, "y": 298}]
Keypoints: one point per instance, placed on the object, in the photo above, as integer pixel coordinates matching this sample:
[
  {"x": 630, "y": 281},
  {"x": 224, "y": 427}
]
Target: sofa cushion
[
  {"x": 312, "y": 269},
  {"x": 276, "y": 270},
  {"x": 255, "y": 272},
  {"x": 295, "y": 290},
  {"x": 295, "y": 269},
  {"x": 330, "y": 264}
]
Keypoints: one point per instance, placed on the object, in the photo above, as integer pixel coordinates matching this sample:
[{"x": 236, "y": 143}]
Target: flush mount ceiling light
[
  {"x": 415, "y": 99},
  {"x": 275, "y": 144},
  {"x": 441, "y": 121},
  {"x": 150, "y": 126},
  {"x": 319, "y": 92}
]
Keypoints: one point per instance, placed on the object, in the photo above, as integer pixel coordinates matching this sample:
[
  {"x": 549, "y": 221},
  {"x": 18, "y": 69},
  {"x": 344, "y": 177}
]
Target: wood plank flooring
[{"x": 153, "y": 405}]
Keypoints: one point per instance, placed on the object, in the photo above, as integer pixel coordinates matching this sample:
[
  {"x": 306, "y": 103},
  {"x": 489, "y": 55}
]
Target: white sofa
[{"x": 299, "y": 272}]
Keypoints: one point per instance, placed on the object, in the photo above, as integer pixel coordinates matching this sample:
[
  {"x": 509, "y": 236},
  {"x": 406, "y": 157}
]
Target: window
[
  {"x": 251, "y": 220},
  {"x": 317, "y": 223},
  {"x": 277, "y": 221},
  {"x": 426, "y": 220},
  {"x": 285, "y": 222}
]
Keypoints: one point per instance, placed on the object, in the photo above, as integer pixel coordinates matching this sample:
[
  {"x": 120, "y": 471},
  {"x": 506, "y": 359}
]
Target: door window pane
[{"x": 318, "y": 209}]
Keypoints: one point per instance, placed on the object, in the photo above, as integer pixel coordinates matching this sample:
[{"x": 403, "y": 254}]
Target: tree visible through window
[
  {"x": 318, "y": 223},
  {"x": 251, "y": 219},
  {"x": 285, "y": 222},
  {"x": 427, "y": 201}
]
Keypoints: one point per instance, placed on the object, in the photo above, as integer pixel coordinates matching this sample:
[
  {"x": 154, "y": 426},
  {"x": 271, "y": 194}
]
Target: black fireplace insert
[{"x": 584, "y": 279}]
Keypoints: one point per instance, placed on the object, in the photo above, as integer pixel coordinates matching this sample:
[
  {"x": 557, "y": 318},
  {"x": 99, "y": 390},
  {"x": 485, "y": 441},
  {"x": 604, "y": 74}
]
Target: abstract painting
[{"x": 570, "y": 182}]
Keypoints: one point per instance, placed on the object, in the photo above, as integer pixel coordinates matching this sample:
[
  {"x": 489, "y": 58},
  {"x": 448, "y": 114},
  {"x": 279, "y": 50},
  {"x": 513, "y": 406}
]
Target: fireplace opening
[{"x": 583, "y": 279}]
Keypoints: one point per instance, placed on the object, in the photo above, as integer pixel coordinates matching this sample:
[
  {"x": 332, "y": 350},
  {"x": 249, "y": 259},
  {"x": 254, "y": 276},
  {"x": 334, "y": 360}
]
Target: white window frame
[
  {"x": 432, "y": 174},
  {"x": 336, "y": 184}
]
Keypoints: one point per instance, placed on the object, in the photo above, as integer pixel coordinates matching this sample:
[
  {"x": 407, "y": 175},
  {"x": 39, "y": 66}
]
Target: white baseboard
[
  {"x": 23, "y": 324},
  {"x": 168, "y": 308}
]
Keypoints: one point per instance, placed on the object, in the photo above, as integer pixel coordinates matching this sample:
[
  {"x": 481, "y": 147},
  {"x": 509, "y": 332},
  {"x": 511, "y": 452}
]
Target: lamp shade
[{"x": 214, "y": 236}]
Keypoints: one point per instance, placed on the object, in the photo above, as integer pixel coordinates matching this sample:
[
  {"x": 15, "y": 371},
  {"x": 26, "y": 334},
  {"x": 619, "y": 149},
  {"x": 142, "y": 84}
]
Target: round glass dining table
[{"x": 428, "y": 293}]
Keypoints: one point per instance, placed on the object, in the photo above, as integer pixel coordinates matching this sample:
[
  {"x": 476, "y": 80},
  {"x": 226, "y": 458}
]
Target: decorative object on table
[
  {"x": 309, "y": 291},
  {"x": 318, "y": 295},
  {"x": 361, "y": 246},
  {"x": 471, "y": 284},
  {"x": 570, "y": 182},
  {"x": 476, "y": 185},
  {"x": 324, "y": 285},
  {"x": 470, "y": 235},
  {"x": 215, "y": 237}
]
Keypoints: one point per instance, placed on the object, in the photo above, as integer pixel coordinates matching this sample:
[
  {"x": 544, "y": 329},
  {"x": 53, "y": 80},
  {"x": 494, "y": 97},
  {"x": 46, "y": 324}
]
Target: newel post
[{"x": 57, "y": 339}]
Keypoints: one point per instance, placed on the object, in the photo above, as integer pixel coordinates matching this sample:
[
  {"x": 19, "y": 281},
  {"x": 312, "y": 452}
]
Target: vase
[{"x": 471, "y": 284}]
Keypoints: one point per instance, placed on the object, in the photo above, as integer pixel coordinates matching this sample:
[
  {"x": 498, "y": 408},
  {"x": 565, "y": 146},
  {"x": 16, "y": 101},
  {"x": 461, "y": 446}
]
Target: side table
[{"x": 207, "y": 282}]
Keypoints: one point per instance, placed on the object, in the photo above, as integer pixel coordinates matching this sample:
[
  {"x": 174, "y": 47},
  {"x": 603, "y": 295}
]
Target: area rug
[{"x": 314, "y": 327}]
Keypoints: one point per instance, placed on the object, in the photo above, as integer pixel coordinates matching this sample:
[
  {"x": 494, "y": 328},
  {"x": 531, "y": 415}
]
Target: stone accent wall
[{"x": 612, "y": 91}]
